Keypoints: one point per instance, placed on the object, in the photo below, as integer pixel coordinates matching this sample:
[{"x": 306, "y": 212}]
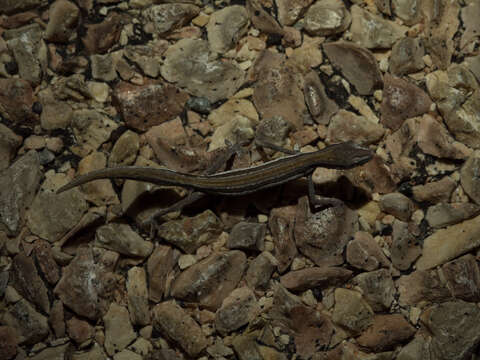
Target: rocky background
[{"x": 86, "y": 84}]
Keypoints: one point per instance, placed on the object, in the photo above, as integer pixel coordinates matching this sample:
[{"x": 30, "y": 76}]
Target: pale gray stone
[
  {"x": 190, "y": 64},
  {"x": 327, "y": 17},
  {"x": 137, "y": 293},
  {"x": 357, "y": 64},
  {"x": 119, "y": 332},
  {"x": 238, "y": 309},
  {"x": 226, "y": 27},
  {"x": 30, "y": 325},
  {"x": 407, "y": 56},
  {"x": 210, "y": 281},
  {"x": 189, "y": 234},
  {"x": 163, "y": 18},
  {"x": 29, "y": 51},
  {"x": 455, "y": 329},
  {"x": 175, "y": 323},
  {"x": 378, "y": 288},
  {"x": 22, "y": 179},
  {"x": 373, "y": 31},
  {"x": 9, "y": 142},
  {"x": 446, "y": 244},
  {"x": 444, "y": 214},
  {"x": 351, "y": 311},
  {"x": 122, "y": 239},
  {"x": 63, "y": 20}
]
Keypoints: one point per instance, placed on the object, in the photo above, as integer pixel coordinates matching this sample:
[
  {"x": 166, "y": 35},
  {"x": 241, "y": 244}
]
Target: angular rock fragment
[
  {"x": 446, "y": 244},
  {"x": 56, "y": 352},
  {"x": 149, "y": 104},
  {"x": 137, "y": 293},
  {"x": 247, "y": 236},
  {"x": 92, "y": 128},
  {"x": 260, "y": 270},
  {"x": 100, "y": 37},
  {"x": 469, "y": 15},
  {"x": 402, "y": 100},
  {"x": 456, "y": 93},
  {"x": 421, "y": 286},
  {"x": 46, "y": 262},
  {"x": 78, "y": 292},
  {"x": 397, "y": 205},
  {"x": 405, "y": 248},
  {"x": 347, "y": 126},
  {"x": 408, "y": 10},
  {"x": 386, "y": 332},
  {"x": 310, "y": 328},
  {"x": 146, "y": 57},
  {"x": 418, "y": 348},
  {"x": 8, "y": 342},
  {"x": 434, "y": 139},
  {"x": 57, "y": 319},
  {"x": 122, "y": 239},
  {"x": 455, "y": 329},
  {"x": 277, "y": 91},
  {"x": 472, "y": 63},
  {"x": 281, "y": 226},
  {"x": 79, "y": 330},
  {"x": 175, "y": 323},
  {"x": 442, "y": 24},
  {"x": 289, "y": 11},
  {"x": 29, "y": 51},
  {"x": 315, "y": 278},
  {"x": 435, "y": 191},
  {"x": 327, "y": 17},
  {"x": 307, "y": 56},
  {"x": 119, "y": 332},
  {"x": 363, "y": 252},
  {"x": 16, "y": 100},
  {"x": 210, "y": 281},
  {"x": 190, "y": 64},
  {"x": 189, "y": 234},
  {"x": 9, "y": 142},
  {"x": 235, "y": 121},
  {"x": 12, "y": 7},
  {"x": 378, "y": 288},
  {"x": 246, "y": 347},
  {"x": 262, "y": 20},
  {"x": 159, "y": 266},
  {"x": 238, "y": 309},
  {"x": 163, "y": 18},
  {"x": 463, "y": 278},
  {"x": 30, "y": 325},
  {"x": 125, "y": 149},
  {"x": 226, "y": 27},
  {"x": 372, "y": 31},
  {"x": 62, "y": 22},
  {"x": 320, "y": 106},
  {"x": 407, "y": 56},
  {"x": 28, "y": 283},
  {"x": 351, "y": 311},
  {"x": 22, "y": 179},
  {"x": 51, "y": 216},
  {"x": 357, "y": 64},
  {"x": 469, "y": 177},
  {"x": 322, "y": 236},
  {"x": 103, "y": 67},
  {"x": 444, "y": 214}
]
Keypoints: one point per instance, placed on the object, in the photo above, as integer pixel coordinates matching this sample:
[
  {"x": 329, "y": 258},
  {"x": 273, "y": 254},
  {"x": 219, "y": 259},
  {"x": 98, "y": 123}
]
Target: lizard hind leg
[{"x": 150, "y": 223}]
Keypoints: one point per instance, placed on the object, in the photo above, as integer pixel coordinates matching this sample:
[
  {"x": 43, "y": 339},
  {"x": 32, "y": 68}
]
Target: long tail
[{"x": 148, "y": 174}]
